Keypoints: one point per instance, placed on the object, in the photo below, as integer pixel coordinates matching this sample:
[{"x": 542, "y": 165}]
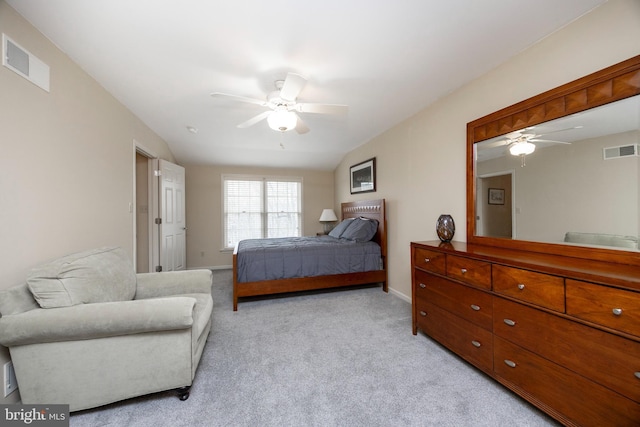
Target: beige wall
[
  {"x": 421, "y": 162},
  {"x": 204, "y": 208},
  {"x": 66, "y": 162}
]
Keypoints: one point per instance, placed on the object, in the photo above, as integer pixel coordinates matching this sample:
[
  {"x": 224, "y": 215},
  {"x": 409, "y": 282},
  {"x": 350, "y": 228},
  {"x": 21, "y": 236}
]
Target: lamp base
[{"x": 327, "y": 227}]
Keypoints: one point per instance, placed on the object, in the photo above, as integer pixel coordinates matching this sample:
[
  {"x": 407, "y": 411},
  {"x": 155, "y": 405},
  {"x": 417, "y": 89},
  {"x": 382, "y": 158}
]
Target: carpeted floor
[{"x": 340, "y": 358}]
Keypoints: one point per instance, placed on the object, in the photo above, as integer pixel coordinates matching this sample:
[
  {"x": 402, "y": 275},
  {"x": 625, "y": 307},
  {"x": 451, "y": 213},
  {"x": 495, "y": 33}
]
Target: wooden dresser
[{"x": 562, "y": 333}]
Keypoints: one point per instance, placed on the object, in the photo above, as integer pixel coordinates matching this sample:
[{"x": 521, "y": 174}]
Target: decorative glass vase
[{"x": 445, "y": 227}]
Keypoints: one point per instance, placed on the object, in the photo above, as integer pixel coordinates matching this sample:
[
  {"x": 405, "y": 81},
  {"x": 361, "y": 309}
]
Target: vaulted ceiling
[{"x": 385, "y": 59}]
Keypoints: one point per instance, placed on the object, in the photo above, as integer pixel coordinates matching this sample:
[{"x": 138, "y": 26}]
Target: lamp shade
[
  {"x": 282, "y": 120},
  {"x": 328, "y": 215},
  {"x": 522, "y": 148}
]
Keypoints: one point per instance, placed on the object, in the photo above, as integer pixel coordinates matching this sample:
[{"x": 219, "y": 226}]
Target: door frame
[{"x": 481, "y": 197}]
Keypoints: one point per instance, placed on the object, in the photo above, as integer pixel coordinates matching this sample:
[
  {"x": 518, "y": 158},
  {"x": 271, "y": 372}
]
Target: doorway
[
  {"x": 495, "y": 203},
  {"x": 142, "y": 229},
  {"x": 159, "y": 228},
  {"x": 145, "y": 187}
]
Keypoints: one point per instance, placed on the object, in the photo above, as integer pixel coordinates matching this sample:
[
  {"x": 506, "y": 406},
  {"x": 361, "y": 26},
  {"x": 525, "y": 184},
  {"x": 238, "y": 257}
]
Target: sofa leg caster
[{"x": 183, "y": 392}]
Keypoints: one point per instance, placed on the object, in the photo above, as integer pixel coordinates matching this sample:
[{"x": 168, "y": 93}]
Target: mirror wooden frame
[{"x": 611, "y": 84}]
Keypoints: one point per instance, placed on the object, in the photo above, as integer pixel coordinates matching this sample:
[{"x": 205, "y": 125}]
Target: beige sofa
[
  {"x": 85, "y": 330},
  {"x": 599, "y": 239}
]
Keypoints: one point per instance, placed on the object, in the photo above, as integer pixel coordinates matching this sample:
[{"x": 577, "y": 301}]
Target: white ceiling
[{"x": 386, "y": 59}]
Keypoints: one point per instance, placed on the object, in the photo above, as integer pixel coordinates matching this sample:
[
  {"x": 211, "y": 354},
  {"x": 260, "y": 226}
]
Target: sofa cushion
[{"x": 98, "y": 275}]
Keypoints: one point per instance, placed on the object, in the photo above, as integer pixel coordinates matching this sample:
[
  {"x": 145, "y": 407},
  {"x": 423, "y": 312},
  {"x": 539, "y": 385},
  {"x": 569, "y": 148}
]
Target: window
[{"x": 258, "y": 207}]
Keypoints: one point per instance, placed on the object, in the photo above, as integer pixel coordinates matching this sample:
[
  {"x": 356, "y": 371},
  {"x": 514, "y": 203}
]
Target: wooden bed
[{"x": 374, "y": 209}]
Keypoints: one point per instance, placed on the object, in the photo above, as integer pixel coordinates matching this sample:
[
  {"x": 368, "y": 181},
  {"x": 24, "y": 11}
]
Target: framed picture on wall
[
  {"x": 496, "y": 196},
  {"x": 363, "y": 177}
]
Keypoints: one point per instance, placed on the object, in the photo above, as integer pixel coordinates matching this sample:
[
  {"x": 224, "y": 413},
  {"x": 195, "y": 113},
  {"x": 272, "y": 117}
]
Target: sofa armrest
[
  {"x": 97, "y": 320},
  {"x": 153, "y": 285}
]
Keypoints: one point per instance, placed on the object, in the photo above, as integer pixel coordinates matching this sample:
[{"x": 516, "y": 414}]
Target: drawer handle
[
  {"x": 510, "y": 363},
  {"x": 423, "y": 313},
  {"x": 637, "y": 374},
  {"x": 463, "y": 270},
  {"x": 477, "y": 344},
  {"x": 422, "y": 285},
  {"x": 475, "y": 307},
  {"x": 509, "y": 322},
  {"x": 427, "y": 260},
  {"x": 617, "y": 311},
  {"x": 521, "y": 286}
]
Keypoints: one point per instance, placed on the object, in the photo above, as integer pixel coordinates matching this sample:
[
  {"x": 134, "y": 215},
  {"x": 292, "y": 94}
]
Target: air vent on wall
[
  {"x": 17, "y": 59},
  {"x": 620, "y": 151}
]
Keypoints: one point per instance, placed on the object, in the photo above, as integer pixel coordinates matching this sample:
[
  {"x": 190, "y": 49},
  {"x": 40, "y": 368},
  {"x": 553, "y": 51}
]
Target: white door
[{"x": 172, "y": 217}]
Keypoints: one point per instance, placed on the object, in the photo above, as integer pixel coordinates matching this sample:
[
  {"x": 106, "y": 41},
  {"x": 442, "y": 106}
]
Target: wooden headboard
[{"x": 373, "y": 209}]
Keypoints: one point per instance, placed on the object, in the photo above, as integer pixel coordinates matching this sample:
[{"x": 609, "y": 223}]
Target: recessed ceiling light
[{"x": 192, "y": 129}]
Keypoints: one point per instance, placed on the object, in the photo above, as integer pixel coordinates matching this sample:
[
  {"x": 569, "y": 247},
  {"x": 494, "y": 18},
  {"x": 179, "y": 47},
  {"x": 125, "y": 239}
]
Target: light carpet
[{"x": 336, "y": 358}]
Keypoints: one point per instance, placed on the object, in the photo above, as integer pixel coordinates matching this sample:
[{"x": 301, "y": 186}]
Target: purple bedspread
[{"x": 280, "y": 258}]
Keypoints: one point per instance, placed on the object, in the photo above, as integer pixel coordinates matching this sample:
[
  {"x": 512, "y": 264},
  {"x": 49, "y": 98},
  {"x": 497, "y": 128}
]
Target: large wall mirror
[{"x": 560, "y": 172}]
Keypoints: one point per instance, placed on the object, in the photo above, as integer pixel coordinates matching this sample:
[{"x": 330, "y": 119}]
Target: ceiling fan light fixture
[
  {"x": 282, "y": 120},
  {"x": 522, "y": 148}
]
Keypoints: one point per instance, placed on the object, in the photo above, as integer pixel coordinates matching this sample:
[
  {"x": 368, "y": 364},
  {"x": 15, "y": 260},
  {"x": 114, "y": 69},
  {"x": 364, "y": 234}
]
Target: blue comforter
[{"x": 284, "y": 258}]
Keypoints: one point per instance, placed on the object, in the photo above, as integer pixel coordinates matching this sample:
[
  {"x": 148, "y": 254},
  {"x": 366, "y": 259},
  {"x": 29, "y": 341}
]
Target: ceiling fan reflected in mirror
[
  {"x": 284, "y": 107},
  {"x": 522, "y": 144}
]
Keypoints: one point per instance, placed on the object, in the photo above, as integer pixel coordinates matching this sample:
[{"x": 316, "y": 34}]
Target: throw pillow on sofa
[{"x": 97, "y": 275}]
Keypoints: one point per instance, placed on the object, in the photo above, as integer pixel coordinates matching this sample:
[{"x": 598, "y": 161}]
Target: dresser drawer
[
  {"x": 573, "y": 395},
  {"x": 470, "y": 304},
  {"x": 615, "y": 308},
  {"x": 537, "y": 288},
  {"x": 429, "y": 260},
  {"x": 605, "y": 358},
  {"x": 469, "y": 341},
  {"x": 471, "y": 271}
]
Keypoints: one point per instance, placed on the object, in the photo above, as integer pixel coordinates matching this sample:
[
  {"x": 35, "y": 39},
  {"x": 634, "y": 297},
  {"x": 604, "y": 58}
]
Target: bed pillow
[
  {"x": 340, "y": 228},
  {"x": 362, "y": 230}
]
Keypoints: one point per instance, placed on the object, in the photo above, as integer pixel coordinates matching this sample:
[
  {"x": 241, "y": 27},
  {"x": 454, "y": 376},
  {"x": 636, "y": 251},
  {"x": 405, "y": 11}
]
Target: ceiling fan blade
[
  {"x": 239, "y": 98},
  {"x": 322, "y": 108},
  {"x": 513, "y": 135},
  {"x": 493, "y": 144},
  {"x": 255, "y": 119},
  {"x": 292, "y": 86},
  {"x": 301, "y": 127},
  {"x": 557, "y": 130},
  {"x": 550, "y": 140}
]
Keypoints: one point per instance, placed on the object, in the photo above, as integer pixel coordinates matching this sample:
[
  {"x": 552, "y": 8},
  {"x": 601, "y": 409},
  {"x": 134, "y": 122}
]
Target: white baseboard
[{"x": 400, "y": 295}]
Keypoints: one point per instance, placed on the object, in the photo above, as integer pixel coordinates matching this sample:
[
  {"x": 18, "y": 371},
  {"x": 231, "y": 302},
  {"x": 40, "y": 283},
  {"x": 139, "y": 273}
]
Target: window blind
[{"x": 261, "y": 207}]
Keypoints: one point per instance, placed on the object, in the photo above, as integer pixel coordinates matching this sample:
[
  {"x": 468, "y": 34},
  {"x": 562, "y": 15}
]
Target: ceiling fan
[
  {"x": 521, "y": 144},
  {"x": 284, "y": 107}
]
